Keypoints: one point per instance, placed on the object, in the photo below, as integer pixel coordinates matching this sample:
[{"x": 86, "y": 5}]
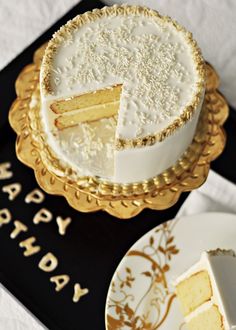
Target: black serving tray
[{"x": 94, "y": 243}]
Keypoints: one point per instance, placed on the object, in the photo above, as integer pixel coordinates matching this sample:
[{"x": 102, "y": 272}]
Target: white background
[{"x": 213, "y": 23}]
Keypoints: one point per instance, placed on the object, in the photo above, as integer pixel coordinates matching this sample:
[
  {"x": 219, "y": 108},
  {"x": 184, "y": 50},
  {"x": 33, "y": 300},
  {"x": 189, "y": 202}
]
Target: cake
[
  {"x": 121, "y": 91},
  {"x": 207, "y": 292}
]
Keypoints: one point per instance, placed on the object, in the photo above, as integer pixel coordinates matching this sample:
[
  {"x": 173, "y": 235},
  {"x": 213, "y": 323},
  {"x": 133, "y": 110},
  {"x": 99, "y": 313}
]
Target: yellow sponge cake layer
[
  {"x": 210, "y": 319},
  {"x": 194, "y": 291},
  {"x": 90, "y": 114},
  {"x": 87, "y": 100}
]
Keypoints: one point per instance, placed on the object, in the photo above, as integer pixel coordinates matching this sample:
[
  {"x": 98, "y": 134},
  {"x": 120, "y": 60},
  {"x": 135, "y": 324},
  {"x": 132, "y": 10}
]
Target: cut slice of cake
[{"x": 207, "y": 292}]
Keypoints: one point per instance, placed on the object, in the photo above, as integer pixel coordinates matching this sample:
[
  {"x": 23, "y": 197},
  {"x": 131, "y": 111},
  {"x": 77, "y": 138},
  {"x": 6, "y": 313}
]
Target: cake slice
[{"x": 207, "y": 292}]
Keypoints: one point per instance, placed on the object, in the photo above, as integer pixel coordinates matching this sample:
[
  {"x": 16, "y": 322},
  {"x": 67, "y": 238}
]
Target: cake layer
[
  {"x": 210, "y": 319},
  {"x": 194, "y": 291},
  {"x": 87, "y": 100},
  {"x": 89, "y": 114}
]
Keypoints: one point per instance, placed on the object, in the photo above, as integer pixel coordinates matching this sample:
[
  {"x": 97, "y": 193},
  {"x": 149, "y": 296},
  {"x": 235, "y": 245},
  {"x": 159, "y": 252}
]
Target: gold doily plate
[{"x": 123, "y": 201}]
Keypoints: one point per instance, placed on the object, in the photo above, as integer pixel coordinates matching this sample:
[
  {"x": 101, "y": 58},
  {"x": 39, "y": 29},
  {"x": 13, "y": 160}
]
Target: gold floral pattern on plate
[
  {"x": 87, "y": 194},
  {"x": 156, "y": 294},
  {"x": 141, "y": 295}
]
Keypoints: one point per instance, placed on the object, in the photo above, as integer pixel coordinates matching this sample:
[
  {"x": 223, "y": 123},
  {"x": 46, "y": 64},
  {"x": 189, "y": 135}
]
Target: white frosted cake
[
  {"x": 207, "y": 292},
  {"x": 121, "y": 93}
]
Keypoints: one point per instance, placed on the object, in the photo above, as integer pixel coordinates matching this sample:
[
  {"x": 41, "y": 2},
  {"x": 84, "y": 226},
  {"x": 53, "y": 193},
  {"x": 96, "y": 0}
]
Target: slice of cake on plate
[
  {"x": 207, "y": 292},
  {"x": 121, "y": 93}
]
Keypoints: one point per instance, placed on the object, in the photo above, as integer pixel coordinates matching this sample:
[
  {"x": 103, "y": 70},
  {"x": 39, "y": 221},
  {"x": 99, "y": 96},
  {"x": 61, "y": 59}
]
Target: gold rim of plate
[{"x": 88, "y": 194}]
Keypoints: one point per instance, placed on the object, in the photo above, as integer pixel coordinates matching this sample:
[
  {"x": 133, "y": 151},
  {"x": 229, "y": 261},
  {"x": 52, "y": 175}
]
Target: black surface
[{"x": 94, "y": 244}]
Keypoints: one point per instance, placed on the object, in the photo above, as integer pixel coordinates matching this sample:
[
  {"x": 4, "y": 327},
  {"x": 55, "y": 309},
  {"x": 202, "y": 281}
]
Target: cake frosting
[
  {"x": 221, "y": 268},
  {"x": 161, "y": 72}
]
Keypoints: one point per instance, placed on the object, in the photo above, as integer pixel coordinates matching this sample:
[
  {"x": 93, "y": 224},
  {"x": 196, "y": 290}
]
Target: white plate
[{"x": 141, "y": 296}]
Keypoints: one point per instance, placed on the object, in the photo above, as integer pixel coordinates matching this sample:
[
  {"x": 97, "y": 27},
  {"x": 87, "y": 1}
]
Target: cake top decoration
[{"x": 155, "y": 61}]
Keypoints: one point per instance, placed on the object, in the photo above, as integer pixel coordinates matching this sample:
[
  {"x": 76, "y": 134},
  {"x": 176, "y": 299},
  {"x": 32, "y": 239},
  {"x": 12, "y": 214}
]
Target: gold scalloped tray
[{"x": 88, "y": 194}]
